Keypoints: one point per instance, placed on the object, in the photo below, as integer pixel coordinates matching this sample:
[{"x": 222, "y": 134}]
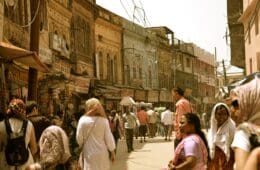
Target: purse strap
[{"x": 82, "y": 150}]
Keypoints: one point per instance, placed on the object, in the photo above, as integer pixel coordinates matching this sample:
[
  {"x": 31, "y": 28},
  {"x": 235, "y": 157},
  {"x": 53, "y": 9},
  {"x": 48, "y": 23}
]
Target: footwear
[
  {"x": 141, "y": 141},
  {"x": 165, "y": 139}
]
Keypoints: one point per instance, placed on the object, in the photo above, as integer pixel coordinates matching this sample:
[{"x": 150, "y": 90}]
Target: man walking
[
  {"x": 129, "y": 121},
  {"x": 182, "y": 106},
  {"x": 143, "y": 120},
  {"x": 167, "y": 121}
]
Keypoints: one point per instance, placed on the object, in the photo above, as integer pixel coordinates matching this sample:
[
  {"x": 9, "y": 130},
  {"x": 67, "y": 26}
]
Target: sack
[{"x": 16, "y": 151}]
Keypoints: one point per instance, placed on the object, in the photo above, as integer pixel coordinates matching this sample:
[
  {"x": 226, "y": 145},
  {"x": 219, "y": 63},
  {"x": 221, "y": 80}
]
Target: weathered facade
[
  {"x": 164, "y": 37},
  {"x": 251, "y": 22},
  {"x": 108, "y": 38},
  {"x": 204, "y": 69},
  {"x": 236, "y": 32},
  {"x": 184, "y": 66},
  {"x": 140, "y": 62}
]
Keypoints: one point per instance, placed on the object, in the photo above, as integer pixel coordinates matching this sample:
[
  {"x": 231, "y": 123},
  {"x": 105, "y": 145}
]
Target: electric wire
[{"x": 125, "y": 9}]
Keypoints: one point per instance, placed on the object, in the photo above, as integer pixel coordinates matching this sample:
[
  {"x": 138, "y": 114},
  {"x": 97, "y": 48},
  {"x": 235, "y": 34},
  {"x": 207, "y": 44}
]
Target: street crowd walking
[{"x": 30, "y": 141}]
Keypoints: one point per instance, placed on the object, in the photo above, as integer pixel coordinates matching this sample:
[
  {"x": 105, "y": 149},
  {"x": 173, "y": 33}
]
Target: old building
[
  {"x": 205, "y": 70},
  {"x": 236, "y": 32},
  {"x": 250, "y": 19},
  {"x": 140, "y": 63},
  {"x": 108, "y": 38},
  {"x": 163, "y": 37},
  {"x": 184, "y": 66},
  {"x": 15, "y": 21}
]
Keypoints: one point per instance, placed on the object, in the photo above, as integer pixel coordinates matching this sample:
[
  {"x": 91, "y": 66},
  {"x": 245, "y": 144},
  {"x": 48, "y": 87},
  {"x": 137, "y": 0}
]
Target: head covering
[
  {"x": 17, "y": 108},
  {"x": 54, "y": 146},
  {"x": 248, "y": 97},
  {"x": 94, "y": 108},
  {"x": 223, "y": 136}
]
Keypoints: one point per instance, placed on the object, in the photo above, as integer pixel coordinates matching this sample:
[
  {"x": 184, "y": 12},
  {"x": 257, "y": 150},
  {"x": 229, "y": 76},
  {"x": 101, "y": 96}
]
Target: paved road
[{"x": 152, "y": 155}]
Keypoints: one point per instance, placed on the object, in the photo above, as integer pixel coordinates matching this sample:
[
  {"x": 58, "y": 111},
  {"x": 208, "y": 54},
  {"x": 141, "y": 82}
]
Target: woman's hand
[
  {"x": 112, "y": 156},
  {"x": 171, "y": 166}
]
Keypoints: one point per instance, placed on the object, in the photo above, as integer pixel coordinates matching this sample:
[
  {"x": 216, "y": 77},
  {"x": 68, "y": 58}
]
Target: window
[
  {"x": 249, "y": 34},
  {"x": 115, "y": 79},
  {"x": 127, "y": 75},
  {"x": 256, "y": 24},
  {"x": 187, "y": 62},
  {"x": 150, "y": 76},
  {"x": 109, "y": 69},
  {"x": 134, "y": 72},
  {"x": 140, "y": 73},
  {"x": 258, "y": 60},
  {"x": 250, "y": 65},
  {"x": 100, "y": 58},
  {"x": 17, "y": 11}
]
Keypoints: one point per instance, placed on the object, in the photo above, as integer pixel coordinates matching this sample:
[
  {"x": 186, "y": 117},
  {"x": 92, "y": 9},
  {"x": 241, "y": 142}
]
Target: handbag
[{"x": 81, "y": 157}]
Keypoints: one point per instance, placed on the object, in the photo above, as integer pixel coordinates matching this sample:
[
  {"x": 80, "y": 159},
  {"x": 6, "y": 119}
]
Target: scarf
[
  {"x": 54, "y": 146},
  {"x": 248, "y": 97},
  {"x": 226, "y": 132}
]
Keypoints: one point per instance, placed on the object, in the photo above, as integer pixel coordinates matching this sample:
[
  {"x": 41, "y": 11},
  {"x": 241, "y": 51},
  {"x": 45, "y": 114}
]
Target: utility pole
[
  {"x": 34, "y": 46},
  {"x": 224, "y": 72}
]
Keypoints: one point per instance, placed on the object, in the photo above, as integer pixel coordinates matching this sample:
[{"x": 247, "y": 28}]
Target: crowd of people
[{"x": 51, "y": 143}]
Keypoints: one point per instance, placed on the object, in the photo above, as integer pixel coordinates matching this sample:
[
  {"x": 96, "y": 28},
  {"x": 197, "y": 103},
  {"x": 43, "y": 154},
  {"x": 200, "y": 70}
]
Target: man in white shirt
[{"x": 167, "y": 121}]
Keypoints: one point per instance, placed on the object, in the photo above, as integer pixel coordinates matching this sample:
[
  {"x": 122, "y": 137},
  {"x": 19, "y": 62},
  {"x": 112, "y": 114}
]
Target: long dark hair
[{"x": 192, "y": 118}]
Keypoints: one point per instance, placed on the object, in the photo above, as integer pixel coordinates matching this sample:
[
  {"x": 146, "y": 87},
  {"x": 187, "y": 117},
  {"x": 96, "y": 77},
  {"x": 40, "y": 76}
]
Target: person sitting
[{"x": 192, "y": 151}]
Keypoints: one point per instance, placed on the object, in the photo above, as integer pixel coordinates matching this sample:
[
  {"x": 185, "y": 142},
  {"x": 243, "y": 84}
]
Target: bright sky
[{"x": 203, "y": 22}]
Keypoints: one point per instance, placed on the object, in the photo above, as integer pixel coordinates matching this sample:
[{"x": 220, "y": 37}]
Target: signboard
[
  {"x": 153, "y": 96},
  {"x": 140, "y": 95},
  {"x": 127, "y": 92}
]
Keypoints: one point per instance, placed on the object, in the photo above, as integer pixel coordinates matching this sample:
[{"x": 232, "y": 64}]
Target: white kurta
[
  {"x": 16, "y": 126},
  {"x": 97, "y": 144}
]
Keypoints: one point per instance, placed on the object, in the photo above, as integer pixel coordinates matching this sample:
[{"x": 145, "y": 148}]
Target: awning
[
  {"x": 10, "y": 52},
  {"x": 127, "y": 101}
]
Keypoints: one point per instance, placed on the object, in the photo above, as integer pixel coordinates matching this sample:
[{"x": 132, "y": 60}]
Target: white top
[
  {"x": 97, "y": 141},
  {"x": 167, "y": 117},
  {"x": 241, "y": 140},
  {"x": 16, "y": 126}
]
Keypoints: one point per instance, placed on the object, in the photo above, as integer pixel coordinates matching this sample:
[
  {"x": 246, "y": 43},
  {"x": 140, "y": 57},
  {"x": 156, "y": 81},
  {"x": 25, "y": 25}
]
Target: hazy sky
[{"x": 203, "y": 22}]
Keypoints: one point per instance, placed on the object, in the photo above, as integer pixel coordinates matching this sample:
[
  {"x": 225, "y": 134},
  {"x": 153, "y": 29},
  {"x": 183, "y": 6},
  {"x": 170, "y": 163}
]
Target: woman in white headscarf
[
  {"x": 246, "y": 101},
  {"x": 220, "y": 137}
]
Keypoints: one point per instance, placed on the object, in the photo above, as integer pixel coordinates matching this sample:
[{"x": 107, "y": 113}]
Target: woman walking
[{"x": 95, "y": 138}]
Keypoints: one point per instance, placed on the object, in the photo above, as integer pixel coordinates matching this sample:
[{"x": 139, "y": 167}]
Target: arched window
[{"x": 101, "y": 68}]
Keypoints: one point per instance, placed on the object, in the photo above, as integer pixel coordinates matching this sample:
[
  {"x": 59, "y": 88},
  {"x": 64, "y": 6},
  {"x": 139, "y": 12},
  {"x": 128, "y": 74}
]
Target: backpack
[{"x": 16, "y": 151}]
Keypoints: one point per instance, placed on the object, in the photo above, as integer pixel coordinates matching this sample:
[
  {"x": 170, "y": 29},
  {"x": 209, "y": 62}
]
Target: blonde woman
[{"x": 95, "y": 138}]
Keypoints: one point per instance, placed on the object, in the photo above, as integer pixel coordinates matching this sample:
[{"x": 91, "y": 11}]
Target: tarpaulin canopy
[
  {"x": 127, "y": 101},
  {"x": 10, "y": 53}
]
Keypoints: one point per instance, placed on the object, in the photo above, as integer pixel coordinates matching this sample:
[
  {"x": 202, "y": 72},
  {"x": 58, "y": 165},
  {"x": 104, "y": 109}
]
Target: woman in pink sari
[{"x": 192, "y": 151}]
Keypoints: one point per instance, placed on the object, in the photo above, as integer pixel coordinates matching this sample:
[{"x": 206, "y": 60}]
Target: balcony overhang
[{"x": 11, "y": 53}]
